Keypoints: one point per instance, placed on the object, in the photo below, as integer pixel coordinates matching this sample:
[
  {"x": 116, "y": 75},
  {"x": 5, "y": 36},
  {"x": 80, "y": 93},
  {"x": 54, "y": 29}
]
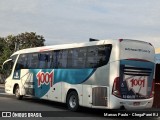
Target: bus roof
[
  {"x": 61, "y": 46},
  {"x": 73, "y": 45}
]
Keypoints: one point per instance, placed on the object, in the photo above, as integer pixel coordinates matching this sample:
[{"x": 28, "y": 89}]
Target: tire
[
  {"x": 17, "y": 93},
  {"x": 73, "y": 101}
]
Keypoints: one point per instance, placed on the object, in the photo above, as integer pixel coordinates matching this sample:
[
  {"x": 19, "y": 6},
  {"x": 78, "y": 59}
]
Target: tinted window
[
  {"x": 55, "y": 59},
  {"x": 103, "y": 55},
  {"x": 45, "y": 60},
  {"x": 96, "y": 56},
  {"x": 33, "y": 60},
  {"x": 92, "y": 57},
  {"x": 14, "y": 58},
  {"x": 60, "y": 58},
  {"x": 22, "y": 62},
  {"x": 81, "y": 60},
  {"x": 84, "y": 57}
]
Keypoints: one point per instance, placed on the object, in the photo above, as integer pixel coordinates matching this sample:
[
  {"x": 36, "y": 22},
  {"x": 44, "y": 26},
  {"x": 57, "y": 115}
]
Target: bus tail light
[
  {"x": 116, "y": 87},
  {"x": 152, "y": 90}
]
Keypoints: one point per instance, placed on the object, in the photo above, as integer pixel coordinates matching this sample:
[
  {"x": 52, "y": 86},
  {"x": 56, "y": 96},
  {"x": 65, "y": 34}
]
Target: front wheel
[
  {"x": 17, "y": 93},
  {"x": 72, "y": 101}
]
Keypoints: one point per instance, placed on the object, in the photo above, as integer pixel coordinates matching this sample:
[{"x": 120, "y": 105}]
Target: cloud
[{"x": 67, "y": 21}]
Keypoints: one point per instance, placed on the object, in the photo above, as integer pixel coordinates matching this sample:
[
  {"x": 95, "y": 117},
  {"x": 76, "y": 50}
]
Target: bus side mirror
[
  {"x": 4, "y": 67},
  {"x": 7, "y": 64},
  {"x": 7, "y": 67}
]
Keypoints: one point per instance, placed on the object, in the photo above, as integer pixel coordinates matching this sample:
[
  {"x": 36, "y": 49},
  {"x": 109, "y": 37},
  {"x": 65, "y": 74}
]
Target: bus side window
[
  {"x": 104, "y": 52},
  {"x": 55, "y": 58},
  {"x": 63, "y": 58},
  {"x": 72, "y": 61},
  {"x": 49, "y": 60},
  {"x": 98, "y": 56},
  {"x": 41, "y": 58},
  {"x": 82, "y": 55},
  {"x": 45, "y": 60},
  {"x": 29, "y": 61},
  {"x": 108, "y": 49},
  {"x": 92, "y": 58},
  {"x": 69, "y": 58},
  {"x": 34, "y": 61},
  {"x": 20, "y": 62},
  {"x": 60, "y": 58}
]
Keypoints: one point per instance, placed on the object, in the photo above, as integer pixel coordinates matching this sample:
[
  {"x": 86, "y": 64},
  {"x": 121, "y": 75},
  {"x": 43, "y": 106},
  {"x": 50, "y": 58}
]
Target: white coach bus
[{"x": 105, "y": 74}]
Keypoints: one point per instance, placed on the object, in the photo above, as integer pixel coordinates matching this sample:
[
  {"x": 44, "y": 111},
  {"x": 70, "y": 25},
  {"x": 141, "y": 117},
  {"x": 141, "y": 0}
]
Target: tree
[
  {"x": 24, "y": 40},
  {"x": 12, "y": 43},
  {"x": 5, "y": 52}
]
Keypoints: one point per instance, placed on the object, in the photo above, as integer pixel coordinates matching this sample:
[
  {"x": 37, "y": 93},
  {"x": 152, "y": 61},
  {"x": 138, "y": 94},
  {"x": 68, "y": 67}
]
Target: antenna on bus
[{"x": 91, "y": 40}]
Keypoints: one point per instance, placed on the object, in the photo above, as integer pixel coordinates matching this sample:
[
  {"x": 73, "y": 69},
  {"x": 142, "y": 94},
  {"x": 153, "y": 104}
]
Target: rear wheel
[
  {"x": 17, "y": 93},
  {"x": 72, "y": 101}
]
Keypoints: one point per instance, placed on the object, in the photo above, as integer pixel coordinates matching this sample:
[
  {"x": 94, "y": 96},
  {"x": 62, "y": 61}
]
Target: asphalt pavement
[{"x": 8, "y": 102}]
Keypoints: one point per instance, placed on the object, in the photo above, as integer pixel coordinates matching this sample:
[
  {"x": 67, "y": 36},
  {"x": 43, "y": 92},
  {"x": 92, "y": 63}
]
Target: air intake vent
[
  {"x": 30, "y": 91},
  {"x": 99, "y": 96},
  {"x": 137, "y": 71}
]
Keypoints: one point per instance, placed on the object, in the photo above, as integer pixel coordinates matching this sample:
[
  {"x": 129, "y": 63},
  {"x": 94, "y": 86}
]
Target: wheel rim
[
  {"x": 72, "y": 101},
  {"x": 17, "y": 92}
]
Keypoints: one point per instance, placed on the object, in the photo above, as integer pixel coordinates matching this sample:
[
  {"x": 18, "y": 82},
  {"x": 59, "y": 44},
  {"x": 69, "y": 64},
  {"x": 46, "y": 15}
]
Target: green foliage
[
  {"x": 24, "y": 40},
  {"x": 12, "y": 43}
]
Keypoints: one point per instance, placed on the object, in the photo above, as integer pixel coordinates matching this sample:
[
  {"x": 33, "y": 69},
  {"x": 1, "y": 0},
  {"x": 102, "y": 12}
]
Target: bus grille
[
  {"x": 137, "y": 71},
  {"x": 99, "y": 96}
]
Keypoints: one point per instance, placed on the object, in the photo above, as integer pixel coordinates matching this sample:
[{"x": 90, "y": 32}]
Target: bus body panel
[
  {"x": 133, "y": 84},
  {"x": 117, "y": 103},
  {"x": 94, "y": 85},
  {"x": 136, "y": 49}
]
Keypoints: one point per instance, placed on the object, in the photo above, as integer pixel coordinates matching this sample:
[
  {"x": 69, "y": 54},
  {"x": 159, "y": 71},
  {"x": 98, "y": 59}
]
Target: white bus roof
[
  {"x": 61, "y": 46},
  {"x": 73, "y": 45}
]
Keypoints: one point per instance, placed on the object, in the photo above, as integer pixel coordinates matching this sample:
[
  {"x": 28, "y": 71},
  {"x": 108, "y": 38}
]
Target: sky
[{"x": 70, "y": 21}]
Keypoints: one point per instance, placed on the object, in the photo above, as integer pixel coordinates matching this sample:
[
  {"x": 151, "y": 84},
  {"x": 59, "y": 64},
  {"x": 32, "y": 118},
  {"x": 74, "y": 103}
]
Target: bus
[{"x": 104, "y": 74}]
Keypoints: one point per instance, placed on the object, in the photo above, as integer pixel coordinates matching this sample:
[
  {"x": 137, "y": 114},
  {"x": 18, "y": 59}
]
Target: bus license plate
[{"x": 136, "y": 103}]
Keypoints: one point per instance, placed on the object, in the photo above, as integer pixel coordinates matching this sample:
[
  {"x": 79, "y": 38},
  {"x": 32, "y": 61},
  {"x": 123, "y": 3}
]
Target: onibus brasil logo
[{"x": 45, "y": 78}]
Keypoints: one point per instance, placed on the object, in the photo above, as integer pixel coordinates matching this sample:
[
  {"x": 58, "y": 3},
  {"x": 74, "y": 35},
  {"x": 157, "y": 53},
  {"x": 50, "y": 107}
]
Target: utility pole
[{"x": 16, "y": 45}]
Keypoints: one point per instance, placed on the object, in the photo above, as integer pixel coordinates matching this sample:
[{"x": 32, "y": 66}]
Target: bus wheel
[
  {"x": 72, "y": 101},
  {"x": 17, "y": 93}
]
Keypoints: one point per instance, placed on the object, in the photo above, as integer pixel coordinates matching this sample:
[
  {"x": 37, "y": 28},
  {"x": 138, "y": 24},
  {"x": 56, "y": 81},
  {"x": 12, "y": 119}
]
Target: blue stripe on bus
[
  {"x": 71, "y": 76},
  {"x": 138, "y": 63}
]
